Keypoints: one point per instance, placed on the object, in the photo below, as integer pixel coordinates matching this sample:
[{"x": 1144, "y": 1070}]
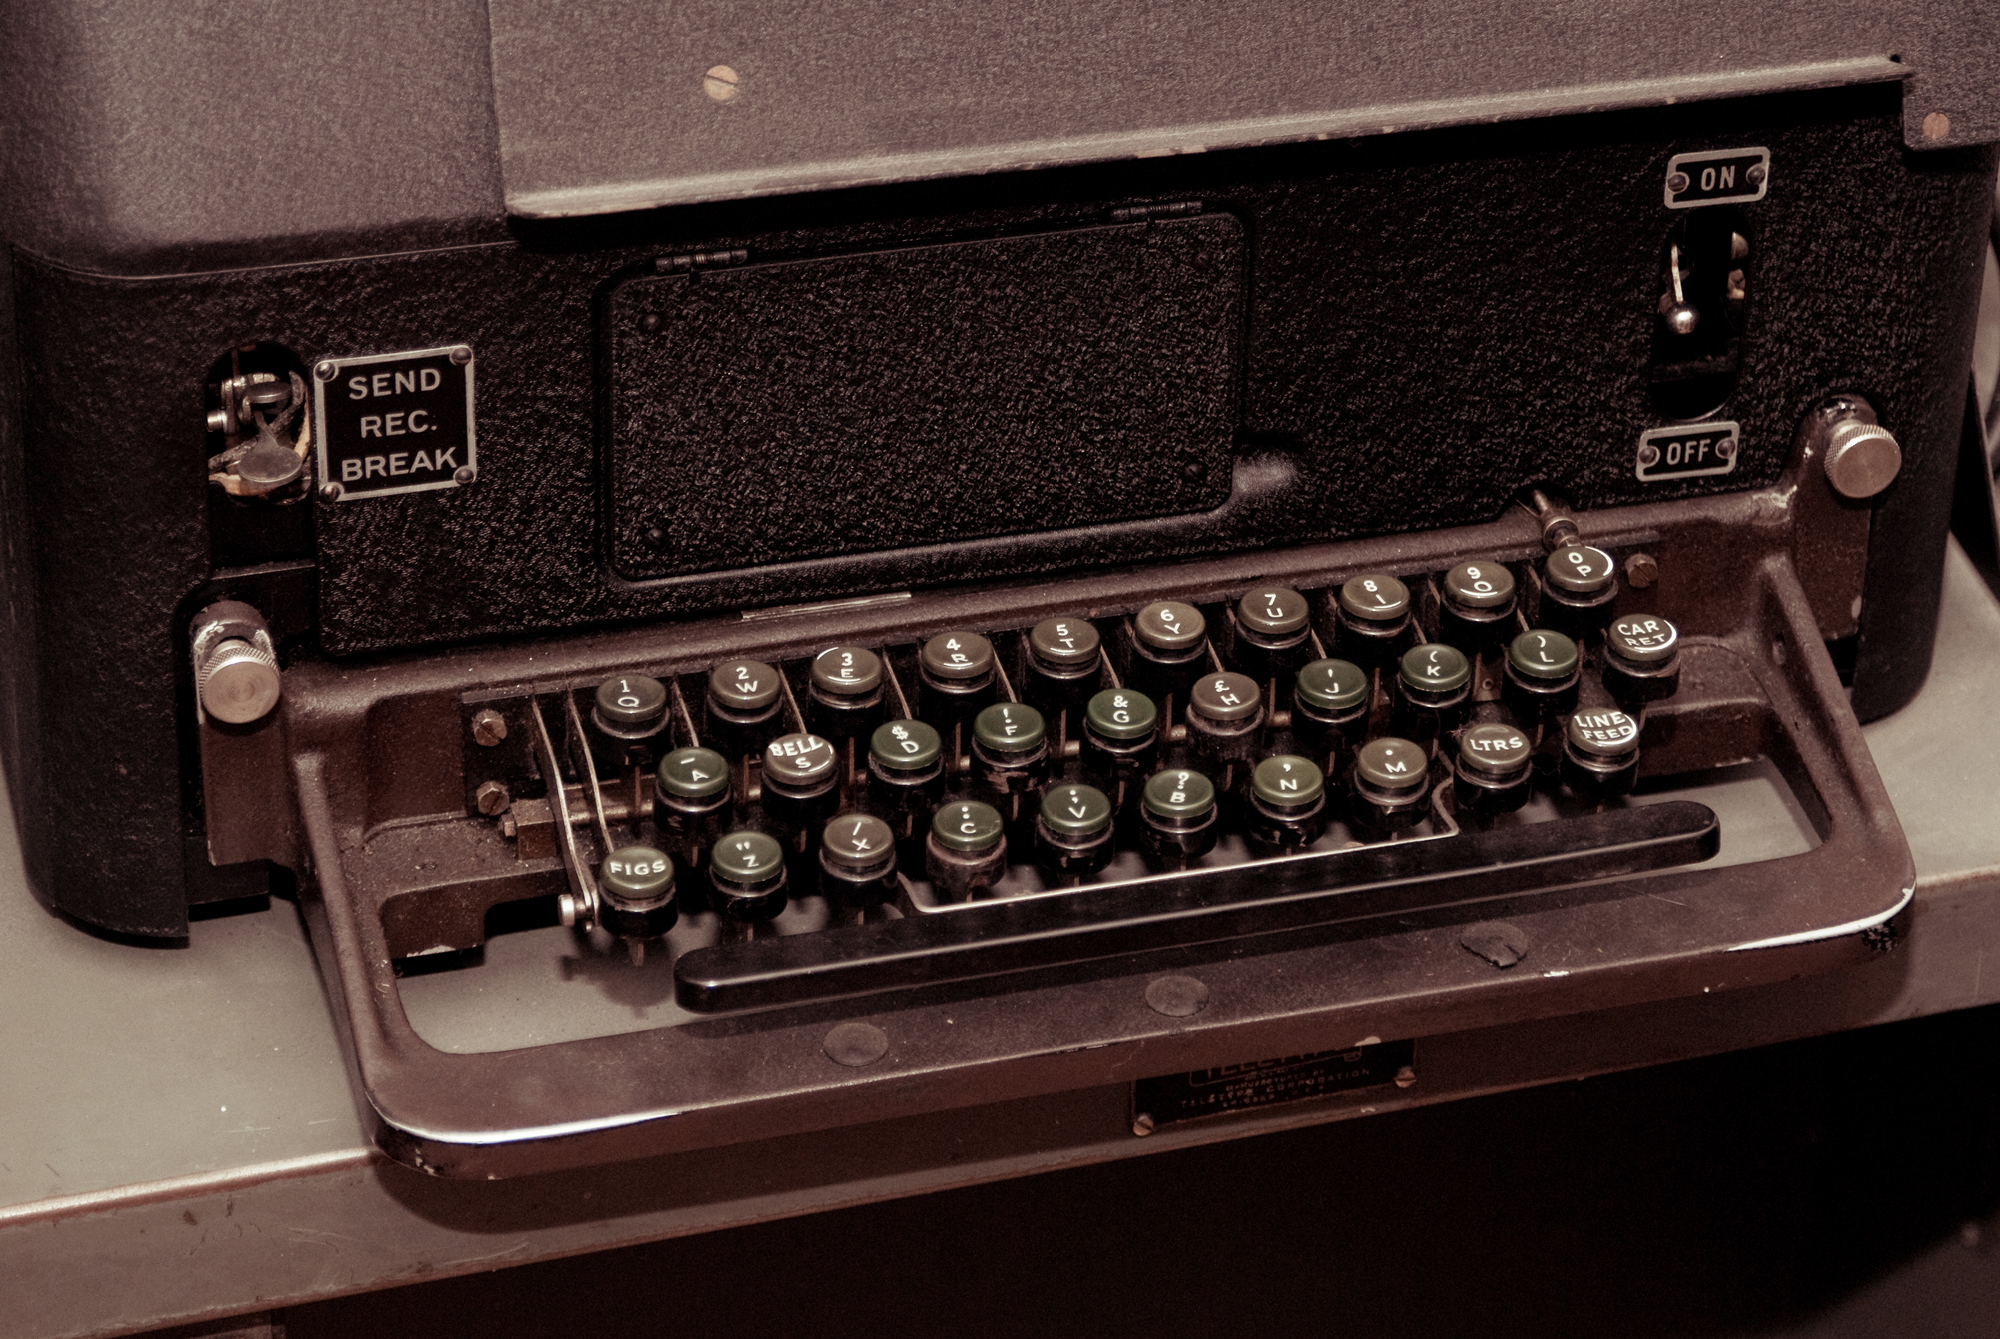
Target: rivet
[
  {"x": 461, "y": 355},
  {"x": 464, "y": 474},
  {"x": 324, "y": 371},
  {"x": 855, "y": 1044},
  {"x": 330, "y": 492},
  {"x": 1176, "y": 996},
  {"x": 719, "y": 82},
  {"x": 1677, "y": 182},
  {"x": 1937, "y": 126}
]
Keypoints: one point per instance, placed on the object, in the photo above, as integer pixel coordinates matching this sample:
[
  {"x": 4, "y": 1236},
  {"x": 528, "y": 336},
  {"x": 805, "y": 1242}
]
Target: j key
[
  {"x": 1642, "y": 659},
  {"x": 966, "y": 850},
  {"x": 1494, "y": 765},
  {"x": 1225, "y": 720},
  {"x": 1010, "y": 748},
  {"x": 1579, "y": 587},
  {"x": 1073, "y": 831},
  {"x": 628, "y": 722},
  {"x": 1287, "y": 807},
  {"x": 1120, "y": 735},
  {"x": 1391, "y": 783},
  {"x": 857, "y": 860},
  {"x": 744, "y": 710},
  {"x": 1330, "y": 701},
  {"x": 692, "y": 802},
  {"x": 1273, "y": 638},
  {"x": 1178, "y": 816},
  {"x": 637, "y": 884},
  {"x": 747, "y": 870},
  {"x": 1600, "y": 753},
  {"x": 844, "y": 692},
  {"x": 1371, "y": 618},
  {"x": 1065, "y": 664},
  {"x": 1169, "y": 649},
  {"x": 956, "y": 673},
  {"x": 1477, "y": 608},
  {"x": 1542, "y": 673},
  {"x": 1433, "y": 689}
]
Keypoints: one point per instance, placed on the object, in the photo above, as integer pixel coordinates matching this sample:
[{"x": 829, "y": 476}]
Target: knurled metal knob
[
  {"x": 238, "y": 681},
  {"x": 1862, "y": 459}
]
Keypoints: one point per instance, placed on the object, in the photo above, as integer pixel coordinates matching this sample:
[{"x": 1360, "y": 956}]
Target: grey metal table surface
[{"x": 178, "y": 1139}]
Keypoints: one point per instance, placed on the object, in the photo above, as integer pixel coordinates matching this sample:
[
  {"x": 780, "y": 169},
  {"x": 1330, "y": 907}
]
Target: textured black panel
[{"x": 864, "y": 402}]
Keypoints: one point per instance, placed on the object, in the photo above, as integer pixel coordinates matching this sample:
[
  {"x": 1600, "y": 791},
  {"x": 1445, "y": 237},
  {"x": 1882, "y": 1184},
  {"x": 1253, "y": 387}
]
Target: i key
[{"x": 1371, "y": 619}]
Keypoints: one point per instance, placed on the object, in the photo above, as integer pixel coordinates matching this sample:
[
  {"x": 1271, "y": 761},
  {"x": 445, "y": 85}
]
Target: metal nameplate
[
  {"x": 1262, "y": 1083},
  {"x": 1693, "y": 452},
  {"x": 394, "y": 423},
  {"x": 1718, "y": 177}
]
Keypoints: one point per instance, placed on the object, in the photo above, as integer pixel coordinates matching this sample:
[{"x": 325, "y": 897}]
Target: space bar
[{"x": 1200, "y": 906}]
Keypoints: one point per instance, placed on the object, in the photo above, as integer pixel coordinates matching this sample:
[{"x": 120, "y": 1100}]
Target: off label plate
[
  {"x": 1215, "y": 1092},
  {"x": 1723, "y": 176},
  {"x": 394, "y": 423},
  {"x": 1692, "y": 452}
]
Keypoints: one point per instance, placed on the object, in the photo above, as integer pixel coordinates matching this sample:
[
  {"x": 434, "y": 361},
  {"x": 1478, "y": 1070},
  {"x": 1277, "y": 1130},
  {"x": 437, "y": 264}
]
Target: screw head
[
  {"x": 1677, "y": 182},
  {"x": 492, "y": 798},
  {"x": 1406, "y": 1076},
  {"x": 324, "y": 371},
  {"x": 461, "y": 355},
  {"x": 464, "y": 474},
  {"x": 330, "y": 492},
  {"x": 1143, "y": 1124},
  {"x": 1649, "y": 455},
  {"x": 1682, "y": 318},
  {"x": 1642, "y": 570},
  {"x": 720, "y": 82},
  {"x": 650, "y": 322},
  {"x": 489, "y": 727},
  {"x": 1755, "y": 176}
]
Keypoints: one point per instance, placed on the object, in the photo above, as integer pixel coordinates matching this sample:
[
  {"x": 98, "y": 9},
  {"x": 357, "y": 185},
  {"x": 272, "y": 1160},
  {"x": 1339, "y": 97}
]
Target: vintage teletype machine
[{"x": 756, "y": 567}]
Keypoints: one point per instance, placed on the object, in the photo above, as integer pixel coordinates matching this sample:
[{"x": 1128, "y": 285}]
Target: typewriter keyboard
[{"x": 1109, "y": 781}]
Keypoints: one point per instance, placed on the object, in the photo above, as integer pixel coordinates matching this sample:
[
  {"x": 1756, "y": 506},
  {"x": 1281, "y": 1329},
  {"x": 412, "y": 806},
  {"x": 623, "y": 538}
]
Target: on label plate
[
  {"x": 1722, "y": 176},
  {"x": 395, "y": 422}
]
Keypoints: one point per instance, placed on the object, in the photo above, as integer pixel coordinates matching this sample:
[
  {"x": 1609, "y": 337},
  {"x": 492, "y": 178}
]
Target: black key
[
  {"x": 1494, "y": 765},
  {"x": 1120, "y": 735},
  {"x": 1010, "y": 748},
  {"x": 845, "y": 692},
  {"x": 1330, "y": 702},
  {"x": 692, "y": 802},
  {"x": 744, "y": 708},
  {"x": 1542, "y": 672},
  {"x": 1642, "y": 660},
  {"x": 1579, "y": 587},
  {"x": 1073, "y": 831},
  {"x": 956, "y": 673},
  {"x": 801, "y": 782},
  {"x": 966, "y": 850},
  {"x": 905, "y": 775},
  {"x": 1478, "y": 604},
  {"x": 1178, "y": 816},
  {"x": 857, "y": 860},
  {"x": 1169, "y": 649},
  {"x": 1391, "y": 783},
  {"x": 1065, "y": 664},
  {"x": 1433, "y": 690},
  {"x": 636, "y": 888},
  {"x": 628, "y": 723},
  {"x": 1600, "y": 753},
  {"x": 1371, "y": 619},
  {"x": 1287, "y": 807},
  {"x": 747, "y": 870},
  {"x": 1225, "y": 720},
  {"x": 1273, "y": 636}
]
